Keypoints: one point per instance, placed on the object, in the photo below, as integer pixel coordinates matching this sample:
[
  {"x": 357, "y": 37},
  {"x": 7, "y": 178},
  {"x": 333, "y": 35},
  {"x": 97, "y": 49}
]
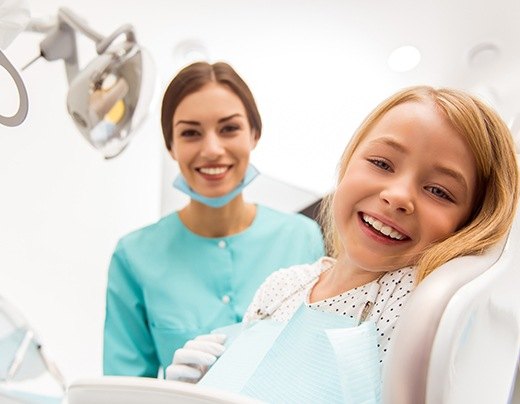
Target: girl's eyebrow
[
  {"x": 455, "y": 174},
  {"x": 388, "y": 141}
]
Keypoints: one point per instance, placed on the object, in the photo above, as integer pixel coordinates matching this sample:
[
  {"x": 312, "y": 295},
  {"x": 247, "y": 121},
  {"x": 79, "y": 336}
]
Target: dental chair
[{"x": 458, "y": 341}]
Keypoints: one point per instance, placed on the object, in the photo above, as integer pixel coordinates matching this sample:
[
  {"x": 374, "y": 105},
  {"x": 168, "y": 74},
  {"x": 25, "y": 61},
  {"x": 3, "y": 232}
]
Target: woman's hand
[{"x": 192, "y": 361}]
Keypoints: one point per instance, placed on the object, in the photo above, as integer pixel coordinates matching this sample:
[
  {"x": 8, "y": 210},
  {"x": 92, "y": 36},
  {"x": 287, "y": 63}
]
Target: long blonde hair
[{"x": 497, "y": 174}]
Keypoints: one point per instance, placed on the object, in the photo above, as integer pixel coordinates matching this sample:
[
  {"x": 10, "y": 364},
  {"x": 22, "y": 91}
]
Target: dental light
[{"x": 109, "y": 98}]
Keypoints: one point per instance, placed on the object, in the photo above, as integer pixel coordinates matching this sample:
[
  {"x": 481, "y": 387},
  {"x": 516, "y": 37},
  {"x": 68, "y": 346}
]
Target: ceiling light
[
  {"x": 483, "y": 54},
  {"x": 404, "y": 59},
  {"x": 190, "y": 51}
]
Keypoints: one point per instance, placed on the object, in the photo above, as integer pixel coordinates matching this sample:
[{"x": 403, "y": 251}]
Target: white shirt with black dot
[{"x": 285, "y": 290}]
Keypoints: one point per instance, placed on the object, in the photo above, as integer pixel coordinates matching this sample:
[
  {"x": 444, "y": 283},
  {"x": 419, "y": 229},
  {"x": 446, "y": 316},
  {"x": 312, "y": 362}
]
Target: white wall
[
  {"x": 62, "y": 207},
  {"x": 315, "y": 67}
]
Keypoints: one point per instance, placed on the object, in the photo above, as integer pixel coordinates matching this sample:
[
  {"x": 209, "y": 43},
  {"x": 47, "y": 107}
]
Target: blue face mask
[{"x": 219, "y": 201}]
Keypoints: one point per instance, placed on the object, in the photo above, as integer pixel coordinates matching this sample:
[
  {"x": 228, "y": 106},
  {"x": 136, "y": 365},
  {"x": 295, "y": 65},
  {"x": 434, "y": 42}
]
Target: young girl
[
  {"x": 430, "y": 175},
  {"x": 198, "y": 268}
]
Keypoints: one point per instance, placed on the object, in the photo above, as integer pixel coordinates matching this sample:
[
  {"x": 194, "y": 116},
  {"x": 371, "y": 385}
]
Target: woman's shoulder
[
  {"x": 152, "y": 232},
  {"x": 267, "y": 215}
]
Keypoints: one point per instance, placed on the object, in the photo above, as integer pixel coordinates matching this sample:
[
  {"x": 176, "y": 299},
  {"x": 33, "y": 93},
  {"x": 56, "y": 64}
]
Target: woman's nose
[
  {"x": 399, "y": 195},
  {"x": 211, "y": 146}
]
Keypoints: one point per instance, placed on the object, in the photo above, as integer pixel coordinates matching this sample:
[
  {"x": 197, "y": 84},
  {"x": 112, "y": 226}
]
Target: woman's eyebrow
[
  {"x": 227, "y": 118},
  {"x": 187, "y": 123}
]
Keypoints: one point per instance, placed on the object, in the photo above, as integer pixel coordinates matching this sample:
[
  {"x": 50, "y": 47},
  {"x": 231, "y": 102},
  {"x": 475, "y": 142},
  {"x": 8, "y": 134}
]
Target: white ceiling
[{"x": 318, "y": 67}]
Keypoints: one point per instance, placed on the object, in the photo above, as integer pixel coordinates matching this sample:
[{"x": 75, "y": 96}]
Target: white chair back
[{"x": 458, "y": 341}]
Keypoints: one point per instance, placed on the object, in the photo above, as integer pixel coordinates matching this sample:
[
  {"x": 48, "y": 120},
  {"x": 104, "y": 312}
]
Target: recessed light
[
  {"x": 404, "y": 58},
  {"x": 483, "y": 54},
  {"x": 189, "y": 51}
]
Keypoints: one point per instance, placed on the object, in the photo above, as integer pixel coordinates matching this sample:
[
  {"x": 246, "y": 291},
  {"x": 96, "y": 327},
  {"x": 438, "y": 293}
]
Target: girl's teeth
[{"x": 382, "y": 228}]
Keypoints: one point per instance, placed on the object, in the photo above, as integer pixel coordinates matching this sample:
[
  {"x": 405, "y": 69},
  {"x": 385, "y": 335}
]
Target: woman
[{"x": 198, "y": 268}]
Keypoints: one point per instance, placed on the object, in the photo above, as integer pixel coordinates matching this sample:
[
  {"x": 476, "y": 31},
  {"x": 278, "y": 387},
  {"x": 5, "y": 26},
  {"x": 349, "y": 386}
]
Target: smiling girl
[{"x": 430, "y": 175}]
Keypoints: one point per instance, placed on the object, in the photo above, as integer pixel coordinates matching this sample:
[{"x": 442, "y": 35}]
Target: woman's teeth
[
  {"x": 213, "y": 170},
  {"x": 383, "y": 228}
]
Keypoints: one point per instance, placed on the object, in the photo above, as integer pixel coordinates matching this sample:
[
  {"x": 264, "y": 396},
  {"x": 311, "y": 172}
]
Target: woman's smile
[
  {"x": 212, "y": 140},
  {"x": 214, "y": 172}
]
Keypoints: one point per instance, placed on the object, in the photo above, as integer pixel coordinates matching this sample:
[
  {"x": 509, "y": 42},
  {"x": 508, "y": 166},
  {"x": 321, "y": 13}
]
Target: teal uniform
[{"x": 167, "y": 285}]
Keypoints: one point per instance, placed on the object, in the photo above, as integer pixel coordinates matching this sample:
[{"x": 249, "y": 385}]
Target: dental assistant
[{"x": 198, "y": 268}]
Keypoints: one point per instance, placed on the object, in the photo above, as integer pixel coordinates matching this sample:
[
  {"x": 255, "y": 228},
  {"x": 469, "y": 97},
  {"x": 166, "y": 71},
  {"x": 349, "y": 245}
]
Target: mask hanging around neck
[{"x": 219, "y": 201}]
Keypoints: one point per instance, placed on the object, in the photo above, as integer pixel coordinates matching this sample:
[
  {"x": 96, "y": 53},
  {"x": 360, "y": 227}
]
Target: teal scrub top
[{"x": 167, "y": 285}]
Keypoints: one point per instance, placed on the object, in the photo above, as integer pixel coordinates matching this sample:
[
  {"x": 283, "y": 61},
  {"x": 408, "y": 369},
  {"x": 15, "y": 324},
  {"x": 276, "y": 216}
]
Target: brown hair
[
  {"x": 191, "y": 79},
  {"x": 497, "y": 174}
]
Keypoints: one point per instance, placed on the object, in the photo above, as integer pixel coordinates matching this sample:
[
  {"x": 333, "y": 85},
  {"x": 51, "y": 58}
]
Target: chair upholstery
[{"x": 458, "y": 341}]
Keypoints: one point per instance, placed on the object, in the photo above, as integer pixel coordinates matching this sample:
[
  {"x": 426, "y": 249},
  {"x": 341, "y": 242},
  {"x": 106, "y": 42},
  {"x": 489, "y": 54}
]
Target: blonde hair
[{"x": 497, "y": 174}]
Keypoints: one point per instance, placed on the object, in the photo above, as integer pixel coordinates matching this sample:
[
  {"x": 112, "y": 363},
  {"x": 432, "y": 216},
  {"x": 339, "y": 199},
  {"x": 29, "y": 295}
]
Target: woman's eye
[
  {"x": 230, "y": 128},
  {"x": 440, "y": 193},
  {"x": 189, "y": 133},
  {"x": 381, "y": 164}
]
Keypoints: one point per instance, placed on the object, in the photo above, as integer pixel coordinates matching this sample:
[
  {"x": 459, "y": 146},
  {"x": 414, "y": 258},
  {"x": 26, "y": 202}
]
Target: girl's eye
[
  {"x": 440, "y": 193},
  {"x": 381, "y": 164}
]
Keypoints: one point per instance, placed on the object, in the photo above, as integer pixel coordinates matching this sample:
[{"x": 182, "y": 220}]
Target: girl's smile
[
  {"x": 382, "y": 230},
  {"x": 410, "y": 182}
]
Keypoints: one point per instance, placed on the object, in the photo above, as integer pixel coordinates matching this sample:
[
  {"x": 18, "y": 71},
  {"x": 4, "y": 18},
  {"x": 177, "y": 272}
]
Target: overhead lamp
[{"x": 107, "y": 99}]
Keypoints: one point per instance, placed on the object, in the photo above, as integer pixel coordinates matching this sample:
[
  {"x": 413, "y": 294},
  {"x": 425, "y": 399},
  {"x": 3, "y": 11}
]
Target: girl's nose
[
  {"x": 212, "y": 146},
  {"x": 399, "y": 195}
]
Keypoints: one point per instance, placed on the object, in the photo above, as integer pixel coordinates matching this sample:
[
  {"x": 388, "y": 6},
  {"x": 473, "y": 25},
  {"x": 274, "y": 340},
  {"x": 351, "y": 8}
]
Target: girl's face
[
  {"x": 212, "y": 140},
  {"x": 410, "y": 182}
]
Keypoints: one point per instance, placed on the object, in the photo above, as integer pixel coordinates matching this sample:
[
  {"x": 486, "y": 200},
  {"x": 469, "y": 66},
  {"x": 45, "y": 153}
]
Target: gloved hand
[{"x": 192, "y": 361}]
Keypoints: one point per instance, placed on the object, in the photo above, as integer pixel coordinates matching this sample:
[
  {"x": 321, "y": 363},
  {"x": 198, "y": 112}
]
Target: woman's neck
[
  {"x": 342, "y": 277},
  {"x": 230, "y": 219}
]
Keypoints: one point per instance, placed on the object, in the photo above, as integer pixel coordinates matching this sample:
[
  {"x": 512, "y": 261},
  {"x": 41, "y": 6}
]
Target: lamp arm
[
  {"x": 23, "y": 105},
  {"x": 78, "y": 24},
  {"x": 60, "y": 42},
  {"x": 126, "y": 29}
]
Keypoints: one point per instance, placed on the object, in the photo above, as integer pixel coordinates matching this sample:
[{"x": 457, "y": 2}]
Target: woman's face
[
  {"x": 212, "y": 140},
  {"x": 409, "y": 183}
]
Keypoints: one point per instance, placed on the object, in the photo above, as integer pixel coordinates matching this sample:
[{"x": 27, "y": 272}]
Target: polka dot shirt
[{"x": 380, "y": 301}]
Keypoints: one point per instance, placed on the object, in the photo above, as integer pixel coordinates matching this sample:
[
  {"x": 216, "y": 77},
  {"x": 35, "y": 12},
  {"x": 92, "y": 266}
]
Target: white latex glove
[{"x": 192, "y": 361}]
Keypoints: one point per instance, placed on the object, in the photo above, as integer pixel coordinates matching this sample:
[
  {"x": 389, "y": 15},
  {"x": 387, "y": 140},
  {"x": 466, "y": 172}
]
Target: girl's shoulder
[
  {"x": 299, "y": 275},
  {"x": 399, "y": 276}
]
